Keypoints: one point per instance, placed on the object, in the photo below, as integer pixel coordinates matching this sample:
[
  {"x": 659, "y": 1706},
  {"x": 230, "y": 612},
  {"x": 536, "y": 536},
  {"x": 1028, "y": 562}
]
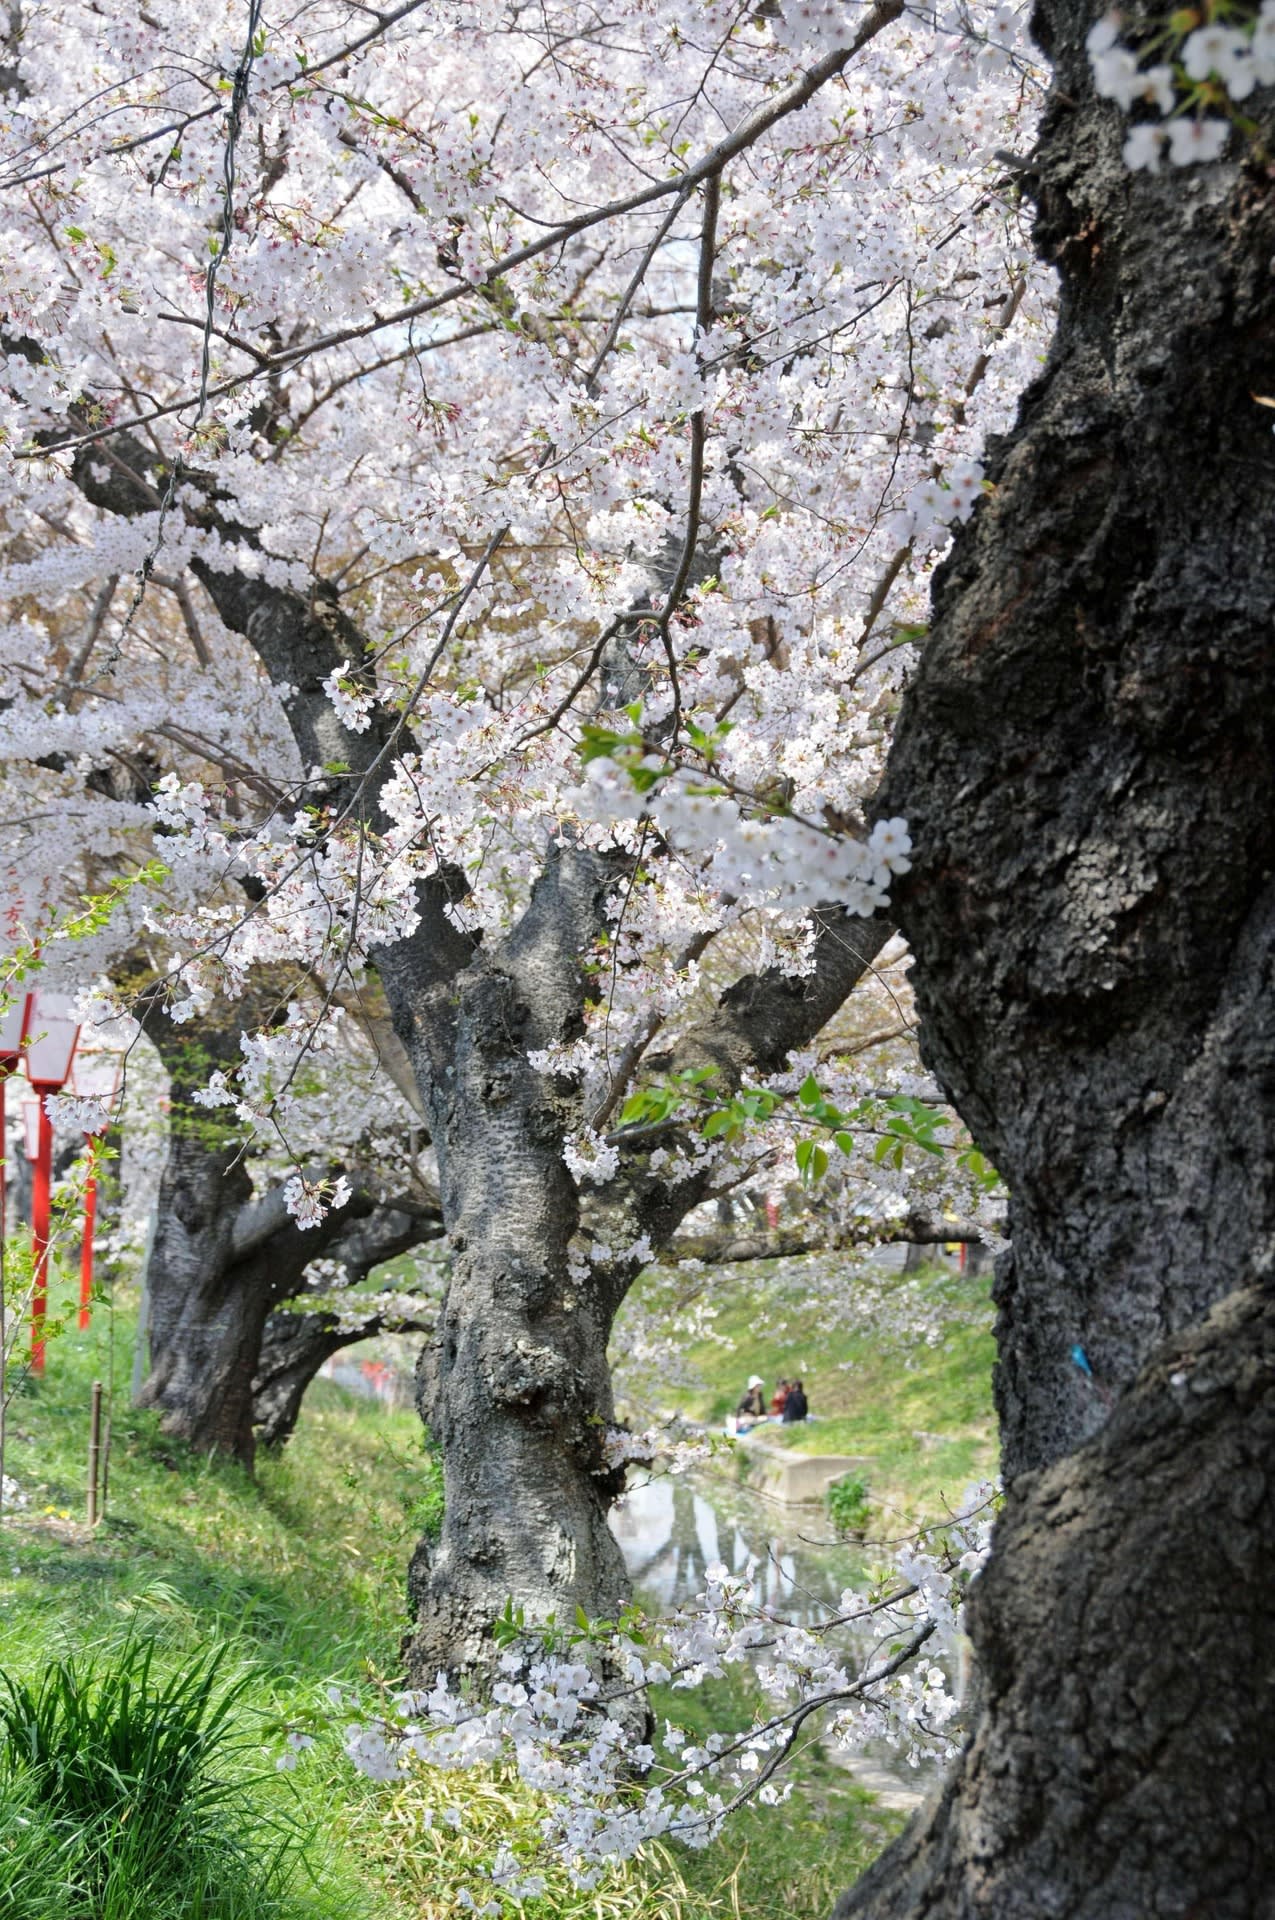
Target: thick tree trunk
[
  {"x": 1122, "y": 1764},
  {"x": 1087, "y": 758},
  {"x": 518, "y": 1394},
  {"x": 219, "y": 1261},
  {"x": 219, "y": 1266},
  {"x": 204, "y": 1325},
  {"x": 204, "y": 1330},
  {"x": 516, "y": 1387}
]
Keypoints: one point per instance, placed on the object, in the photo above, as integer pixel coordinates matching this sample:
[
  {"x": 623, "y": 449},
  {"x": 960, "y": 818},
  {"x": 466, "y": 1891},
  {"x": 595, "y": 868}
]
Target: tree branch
[{"x": 820, "y": 1236}]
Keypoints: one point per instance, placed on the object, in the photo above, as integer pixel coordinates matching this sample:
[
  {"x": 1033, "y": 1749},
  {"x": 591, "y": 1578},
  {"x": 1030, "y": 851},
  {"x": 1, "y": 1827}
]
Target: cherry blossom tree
[
  {"x": 556, "y": 421},
  {"x": 1085, "y": 759},
  {"x": 553, "y": 424}
]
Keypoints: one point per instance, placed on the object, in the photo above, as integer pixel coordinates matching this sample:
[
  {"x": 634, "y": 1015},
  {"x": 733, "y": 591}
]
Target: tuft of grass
[
  {"x": 112, "y": 1737},
  {"x": 848, "y": 1506},
  {"x": 297, "y": 1575},
  {"x": 118, "y": 1785}
]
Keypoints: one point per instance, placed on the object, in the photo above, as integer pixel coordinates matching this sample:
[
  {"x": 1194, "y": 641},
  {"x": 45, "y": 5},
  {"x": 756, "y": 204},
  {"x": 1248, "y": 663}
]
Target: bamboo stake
[{"x": 95, "y": 1448}]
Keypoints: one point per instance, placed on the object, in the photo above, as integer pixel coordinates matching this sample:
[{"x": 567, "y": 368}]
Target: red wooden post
[
  {"x": 43, "y": 1179},
  {"x": 53, "y": 1035},
  {"x": 14, "y": 1029},
  {"x": 90, "y": 1220},
  {"x": 96, "y": 1073}
]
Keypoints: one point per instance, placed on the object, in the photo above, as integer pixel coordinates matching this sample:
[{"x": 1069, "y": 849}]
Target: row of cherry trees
[
  {"x": 549, "y": 519},
  {"x": 530, "y": 579}
]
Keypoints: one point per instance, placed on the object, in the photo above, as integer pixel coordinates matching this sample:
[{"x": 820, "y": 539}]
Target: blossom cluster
[
  {"x": 562, "y": 1715},
  {"x": 78, "y": 1113},
  {"x": 310, "y": 1201},
  {"x": 1236, "y": 56},
  {"x": 622, "y": 1448},
  {"x": 838, "y": 314}
]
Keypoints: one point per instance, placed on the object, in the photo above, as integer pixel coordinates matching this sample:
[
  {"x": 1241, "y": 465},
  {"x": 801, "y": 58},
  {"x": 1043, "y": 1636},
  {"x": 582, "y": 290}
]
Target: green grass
[
  {"x": 918, "y": 1414},
  {"x": 122, "y": 1784},
  {"x": 296, "y": 1577},
  {"x": 773, "y": 1863},
  {"x": 295, "y": 1581},
  {"x": 303, "y": 1568}
]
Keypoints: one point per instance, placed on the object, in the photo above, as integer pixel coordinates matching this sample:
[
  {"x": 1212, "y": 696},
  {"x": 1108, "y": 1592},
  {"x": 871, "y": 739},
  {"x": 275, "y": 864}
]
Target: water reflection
[{"x": 672, "y": 1530}]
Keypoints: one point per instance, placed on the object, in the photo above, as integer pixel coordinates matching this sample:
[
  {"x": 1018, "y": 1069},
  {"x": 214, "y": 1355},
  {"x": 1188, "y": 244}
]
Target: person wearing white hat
[{"x": 753, "y": 1404}]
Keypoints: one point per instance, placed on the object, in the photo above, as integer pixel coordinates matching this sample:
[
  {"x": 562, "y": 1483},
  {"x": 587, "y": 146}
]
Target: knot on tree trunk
[{"x": 530, "y": 1374}]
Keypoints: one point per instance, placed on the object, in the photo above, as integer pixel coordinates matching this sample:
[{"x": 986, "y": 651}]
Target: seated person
[
  {"x": 796, "y": 1406},
  {"x": 753, "y": 1404},
  {"x": 777, "y": 1399}
]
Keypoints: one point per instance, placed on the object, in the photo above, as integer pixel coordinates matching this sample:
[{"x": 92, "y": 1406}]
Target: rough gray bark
[
  {"x": 295, "y": 1344},
  {"x": 1122, "y": 1764},
  {"x": 521, "y": 1392},
  {"x": 516, "y": 1386},
  {"x": 220, "y": 1261},
  {"x": 205, "y": 1324},
  {"x": 1086, "y": 760}
]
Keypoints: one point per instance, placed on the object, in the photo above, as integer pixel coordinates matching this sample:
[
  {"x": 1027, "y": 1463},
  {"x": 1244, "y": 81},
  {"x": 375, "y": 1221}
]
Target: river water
[{"x": 672, "y": 1529}]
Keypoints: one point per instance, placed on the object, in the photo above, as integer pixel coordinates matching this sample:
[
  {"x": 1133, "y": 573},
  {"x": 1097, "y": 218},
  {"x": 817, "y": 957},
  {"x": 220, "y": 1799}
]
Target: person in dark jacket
[
  {"x": 753, "y": 1404},
  {"x": 796, "y": 1406}
]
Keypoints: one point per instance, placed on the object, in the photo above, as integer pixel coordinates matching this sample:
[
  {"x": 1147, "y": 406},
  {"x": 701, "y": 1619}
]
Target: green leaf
[{"x": 812, "y": 1161}]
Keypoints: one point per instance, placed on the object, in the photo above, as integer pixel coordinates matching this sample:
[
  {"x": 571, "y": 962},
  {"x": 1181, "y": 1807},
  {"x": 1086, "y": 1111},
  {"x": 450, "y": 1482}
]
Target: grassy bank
[
  {"x": 294, "y": 1580},
  {"x": 897, "y": 1370}
]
